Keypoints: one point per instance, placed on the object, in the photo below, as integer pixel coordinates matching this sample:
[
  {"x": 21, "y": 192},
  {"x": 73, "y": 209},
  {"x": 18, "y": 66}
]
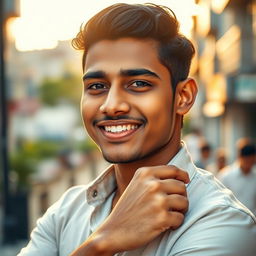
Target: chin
[{"x": 120, "y": 159}]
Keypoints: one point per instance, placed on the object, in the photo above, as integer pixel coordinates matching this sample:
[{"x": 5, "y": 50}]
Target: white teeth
[{"x": 120, "y": 128}]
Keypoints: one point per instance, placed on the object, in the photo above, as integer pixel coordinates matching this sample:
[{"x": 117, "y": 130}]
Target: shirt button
[{"x": 94, "y": 193}]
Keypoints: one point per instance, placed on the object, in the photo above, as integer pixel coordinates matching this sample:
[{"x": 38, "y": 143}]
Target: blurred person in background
[
  {"x": 136, "y": 92},
  {"x": 193, "y": 141},
  {"x": 205, "y": 155},
  {"x": 240, "y": 177},
  {"x": 64, "y": 158},
  {"x": 220, "y": 161},
  {"x": 65, "y": 162}
]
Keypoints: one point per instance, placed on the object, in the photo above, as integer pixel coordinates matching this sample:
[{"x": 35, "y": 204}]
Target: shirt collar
[
  {"x": 99, "y": 189},
  {"x": 184, "y": 161}
]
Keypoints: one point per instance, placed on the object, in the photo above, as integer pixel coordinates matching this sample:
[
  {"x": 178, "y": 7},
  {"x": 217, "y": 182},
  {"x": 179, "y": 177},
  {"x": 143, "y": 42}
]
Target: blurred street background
[{"x": 44, "y": 147}]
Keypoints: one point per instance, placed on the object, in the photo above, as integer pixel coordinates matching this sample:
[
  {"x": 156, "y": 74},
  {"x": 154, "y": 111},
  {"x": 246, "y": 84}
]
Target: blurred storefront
[{"x": 226, "y": 35}]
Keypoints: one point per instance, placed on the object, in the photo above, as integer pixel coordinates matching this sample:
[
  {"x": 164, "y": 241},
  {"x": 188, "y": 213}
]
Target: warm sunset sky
[{"x": 44, "y": 22}]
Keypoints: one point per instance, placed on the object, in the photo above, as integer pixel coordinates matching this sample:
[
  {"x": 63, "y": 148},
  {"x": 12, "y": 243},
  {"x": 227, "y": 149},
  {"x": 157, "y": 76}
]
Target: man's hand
[{"x": 155, "y": 200}]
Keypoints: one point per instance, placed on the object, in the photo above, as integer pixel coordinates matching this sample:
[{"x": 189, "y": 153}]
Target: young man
[{"x": 135, "y": 94}]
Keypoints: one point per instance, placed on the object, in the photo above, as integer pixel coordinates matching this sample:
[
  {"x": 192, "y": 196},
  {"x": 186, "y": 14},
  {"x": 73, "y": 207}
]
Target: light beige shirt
[{"x": 216, "y": 223}]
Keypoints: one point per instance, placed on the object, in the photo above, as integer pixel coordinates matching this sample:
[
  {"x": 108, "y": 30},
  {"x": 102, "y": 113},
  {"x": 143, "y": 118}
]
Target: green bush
[
  {"x": 54, "y": 90},
  {"x": 25, "y": 160}
]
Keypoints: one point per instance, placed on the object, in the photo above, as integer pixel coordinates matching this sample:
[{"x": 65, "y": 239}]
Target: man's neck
[{"x": 244, "y": 170}]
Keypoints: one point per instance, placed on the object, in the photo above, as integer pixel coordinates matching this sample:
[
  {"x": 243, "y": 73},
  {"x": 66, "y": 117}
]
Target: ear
[{"x": 186, "y": 92}]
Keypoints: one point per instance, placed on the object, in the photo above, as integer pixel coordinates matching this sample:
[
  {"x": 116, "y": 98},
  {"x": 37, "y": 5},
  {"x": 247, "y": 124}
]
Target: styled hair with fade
[{"x": 142, "y": 21}]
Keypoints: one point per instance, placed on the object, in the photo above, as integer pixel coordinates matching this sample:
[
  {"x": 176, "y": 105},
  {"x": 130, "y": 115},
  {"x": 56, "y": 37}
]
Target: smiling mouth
[
  {"x": 119, "y": 132},
  {"x": 120, "y": 128}
]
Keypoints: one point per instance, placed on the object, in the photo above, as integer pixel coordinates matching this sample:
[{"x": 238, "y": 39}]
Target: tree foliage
[
  {"x": 55, "y": 90},
  {"x": 25, "y": 160}
]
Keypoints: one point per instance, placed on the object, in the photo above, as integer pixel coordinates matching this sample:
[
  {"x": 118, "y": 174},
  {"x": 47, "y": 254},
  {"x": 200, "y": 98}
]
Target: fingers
[
  {"x": 165, "y": 186},
  {"x": 168, "y": 179},
  {"x": 163, "y": 179},
  {"x": 171, "y": 186},
  {"x": 170, "y": 172},
  {"x": 177, "y": 203},
  {"x": 168, "y": 203},
  {"x": 175, "y": 219},
  {"x": 169, "y": 220}
]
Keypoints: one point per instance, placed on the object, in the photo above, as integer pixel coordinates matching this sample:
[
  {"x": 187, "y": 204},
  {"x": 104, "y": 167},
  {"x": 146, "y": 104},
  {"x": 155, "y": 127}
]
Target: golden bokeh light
[{"x": 45, "y": 22}]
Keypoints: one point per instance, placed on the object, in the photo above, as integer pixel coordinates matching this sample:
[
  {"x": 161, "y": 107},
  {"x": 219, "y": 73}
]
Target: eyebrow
[
  {"x": 94, "y": 74},
  {"x": 138, "y": 72},
  {"x": 125, "y": 72}
]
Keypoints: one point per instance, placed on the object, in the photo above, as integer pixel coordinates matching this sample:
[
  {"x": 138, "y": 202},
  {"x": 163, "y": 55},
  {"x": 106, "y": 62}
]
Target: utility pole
[{"x": 7, "y": 223}]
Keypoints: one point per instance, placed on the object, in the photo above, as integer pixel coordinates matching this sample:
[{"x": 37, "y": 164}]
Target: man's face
[
  {"x": 127, "y": 102},
  {"x": 247, "y": 162}
]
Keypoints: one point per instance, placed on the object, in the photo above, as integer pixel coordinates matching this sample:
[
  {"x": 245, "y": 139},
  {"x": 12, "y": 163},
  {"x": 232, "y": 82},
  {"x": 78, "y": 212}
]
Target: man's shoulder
[
  {"x": 70, "y": 199},
  {"x": 207, "y": 195},
  {"x": 74, "y": 192},
  {"x": 215, "y": 219}
]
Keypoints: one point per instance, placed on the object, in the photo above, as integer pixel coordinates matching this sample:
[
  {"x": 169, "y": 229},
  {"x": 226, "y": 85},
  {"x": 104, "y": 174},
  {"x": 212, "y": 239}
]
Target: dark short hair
[
  {"x": 142, "y": 21},
  {"x": 205, "y": 147},
  {"x": 247, "y": 150}
]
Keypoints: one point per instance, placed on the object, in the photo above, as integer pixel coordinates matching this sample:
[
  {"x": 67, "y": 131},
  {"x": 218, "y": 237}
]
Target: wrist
[
  {"x": 102, "y": 245},
  {"x": 95, "y": 245}
]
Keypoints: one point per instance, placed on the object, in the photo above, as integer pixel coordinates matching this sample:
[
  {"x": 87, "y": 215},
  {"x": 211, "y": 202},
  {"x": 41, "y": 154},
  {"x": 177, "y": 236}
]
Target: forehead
[{"x": 123, "y": 53}]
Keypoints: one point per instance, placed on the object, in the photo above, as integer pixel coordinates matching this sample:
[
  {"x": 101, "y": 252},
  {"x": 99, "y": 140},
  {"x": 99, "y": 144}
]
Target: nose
[{"x": 115, "y": 103}]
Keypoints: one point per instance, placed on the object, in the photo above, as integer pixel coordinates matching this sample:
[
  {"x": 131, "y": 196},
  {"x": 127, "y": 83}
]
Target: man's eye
[
  {"x": 97, "y": 86},
  {"x": 141, "y": 85}
]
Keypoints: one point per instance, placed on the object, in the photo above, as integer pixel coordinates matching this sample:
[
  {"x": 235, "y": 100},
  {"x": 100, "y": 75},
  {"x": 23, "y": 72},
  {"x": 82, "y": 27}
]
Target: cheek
[
  {"x": 158, "y": 109},
  {"x": 88, "y": 114},
  {"x": 88, "y": 111},
  {"x": 83, "y": 109}
]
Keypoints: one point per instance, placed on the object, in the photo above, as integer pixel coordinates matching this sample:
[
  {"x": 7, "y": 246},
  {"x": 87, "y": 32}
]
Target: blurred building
[
  {"x": 225, "y": 32},
  {"x": 28, "y": 118},
  {"x": 25, "y": 73}
]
